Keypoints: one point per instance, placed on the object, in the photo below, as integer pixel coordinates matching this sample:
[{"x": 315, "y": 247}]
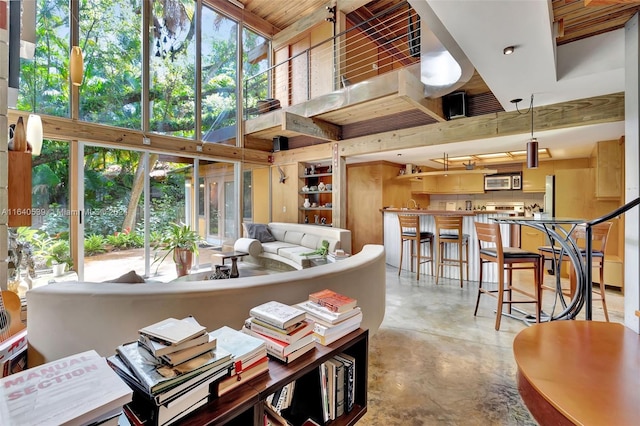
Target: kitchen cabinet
[
  {"x": 533, "y": 180},
  {"x": 316, "y": 187},
  {"x": 531, "y": 239},
  {"x": 609, "y": 159},
  {"x": 451, "y": 184}
]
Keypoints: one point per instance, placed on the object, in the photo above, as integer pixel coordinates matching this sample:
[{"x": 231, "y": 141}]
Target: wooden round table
[{"x": 579, "y": 372}]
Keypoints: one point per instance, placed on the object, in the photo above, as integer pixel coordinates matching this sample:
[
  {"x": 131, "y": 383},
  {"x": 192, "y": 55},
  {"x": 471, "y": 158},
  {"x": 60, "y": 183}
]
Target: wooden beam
[
  {"x": 67, "y": 129},
  {"x": 250, "y": 20},
  {"x": 305, "y": 154},
  {"x": 311, "y": 127},
  {"x": 583, "y": 112},
  {"x": 411, "y": 89}
]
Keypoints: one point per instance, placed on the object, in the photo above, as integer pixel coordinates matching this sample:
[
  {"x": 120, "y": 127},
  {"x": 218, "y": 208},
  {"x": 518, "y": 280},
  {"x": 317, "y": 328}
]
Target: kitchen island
[{"x": 391, "y": 238}]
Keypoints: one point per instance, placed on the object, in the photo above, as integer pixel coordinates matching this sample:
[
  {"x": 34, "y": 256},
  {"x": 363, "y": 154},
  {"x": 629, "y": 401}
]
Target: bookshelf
[
  {"x": 313, "y": 180},
  {"x": 244, "y": 405}
]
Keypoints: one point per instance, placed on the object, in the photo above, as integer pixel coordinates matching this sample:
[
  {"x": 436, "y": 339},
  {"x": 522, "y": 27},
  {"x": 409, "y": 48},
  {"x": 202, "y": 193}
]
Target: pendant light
[
  {"x": 532, "y": 145},
  {"x": 34, "y": 122},
  {"x": 34, "y": 133},
  {"x": 76, "y": 65}
]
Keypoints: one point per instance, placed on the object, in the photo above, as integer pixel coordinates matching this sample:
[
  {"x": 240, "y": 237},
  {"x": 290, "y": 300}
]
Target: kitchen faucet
[{"x": 415, "y": 205}]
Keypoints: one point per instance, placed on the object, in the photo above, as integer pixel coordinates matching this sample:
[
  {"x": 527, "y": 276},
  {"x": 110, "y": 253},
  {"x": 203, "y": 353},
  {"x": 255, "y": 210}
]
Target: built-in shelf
[
  {"x": 314, "y": 192},
  {"x": 315, "y": 175},
  {"x": 315, "y": 208}
]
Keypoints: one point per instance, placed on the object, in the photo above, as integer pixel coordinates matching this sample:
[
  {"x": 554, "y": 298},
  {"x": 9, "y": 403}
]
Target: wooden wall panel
[
  {"x": 322, "y": 59},
  {"x": 260, "y": 190},
  {"x": 281, "y": 83},
  {"x": 299, "y": 70},
  {"x": 364, "y": 199},
  {"x": 284, "y": 207},
  {"x": 369, "y": 188}
]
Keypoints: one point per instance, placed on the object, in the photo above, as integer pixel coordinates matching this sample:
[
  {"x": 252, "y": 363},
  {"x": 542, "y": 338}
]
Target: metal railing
[{"x": 381, "y": 43}]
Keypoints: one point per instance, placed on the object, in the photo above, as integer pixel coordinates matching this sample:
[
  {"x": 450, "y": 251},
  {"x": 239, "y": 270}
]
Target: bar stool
[
  {"x": 600, "y": 234},
  {"x": 449, "y": 231},
  {"x": 491, "y": 251},
  {"x": 410, "y": 231}
]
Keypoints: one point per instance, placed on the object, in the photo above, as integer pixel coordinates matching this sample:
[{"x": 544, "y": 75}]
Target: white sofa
[
  {"x": 71, "y": 317},
  {"x": 292, "y": 241}
]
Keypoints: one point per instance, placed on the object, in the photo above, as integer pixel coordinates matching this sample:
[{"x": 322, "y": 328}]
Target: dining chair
[
  {"x": 507, "y": 259},
  {"x": 410, "y": 231},
  {"x": 449, "y": 231},
  {"x": 600, "y": 235}
]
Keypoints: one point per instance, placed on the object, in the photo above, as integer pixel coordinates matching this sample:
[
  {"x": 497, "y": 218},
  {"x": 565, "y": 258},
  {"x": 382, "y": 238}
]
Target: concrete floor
[{"x": 433, "y": 363}]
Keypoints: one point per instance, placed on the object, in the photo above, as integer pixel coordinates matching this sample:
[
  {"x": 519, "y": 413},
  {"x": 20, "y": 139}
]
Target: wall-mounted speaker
[
  {"x": 280, "y": 143},
  {"x": 455, "y": 105}
]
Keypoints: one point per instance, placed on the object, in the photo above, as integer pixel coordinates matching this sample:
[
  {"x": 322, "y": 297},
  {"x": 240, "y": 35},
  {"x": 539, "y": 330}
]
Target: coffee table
[{"x": 233, "y": 255}]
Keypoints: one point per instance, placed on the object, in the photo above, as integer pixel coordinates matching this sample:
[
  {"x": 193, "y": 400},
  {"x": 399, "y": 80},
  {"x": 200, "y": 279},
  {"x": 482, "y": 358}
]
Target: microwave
[{"x": 503, "y": 182}]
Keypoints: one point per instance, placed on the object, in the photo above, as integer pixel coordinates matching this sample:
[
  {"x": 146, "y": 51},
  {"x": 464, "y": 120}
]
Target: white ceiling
[{"x": 578, "y": 70}]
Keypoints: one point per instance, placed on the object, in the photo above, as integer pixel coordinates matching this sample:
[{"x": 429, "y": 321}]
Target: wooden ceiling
[{"x": 578, "y": 19}]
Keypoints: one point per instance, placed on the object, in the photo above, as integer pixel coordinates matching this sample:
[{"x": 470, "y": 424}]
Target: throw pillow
[
  {"x": 129, "y": 278},
  {"x": 260, "y": 232}
]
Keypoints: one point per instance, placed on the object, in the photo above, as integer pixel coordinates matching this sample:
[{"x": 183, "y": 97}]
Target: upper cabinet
[
  {"x": 450, "y": 184},
  {"x": 609, "y": 157},
  {"x": 533, "y": 180}
]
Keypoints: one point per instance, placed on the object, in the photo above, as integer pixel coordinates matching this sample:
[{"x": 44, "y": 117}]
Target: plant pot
[
  {"x": 182, "y": 258},
  {"x": 58, "y": 269}
]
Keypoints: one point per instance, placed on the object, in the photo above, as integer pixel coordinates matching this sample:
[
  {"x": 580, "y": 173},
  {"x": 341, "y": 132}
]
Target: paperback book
[
  {"x": 159, "y": 349},
  {"x": 335, "y": 302},
  {"x": 156, "y": 376},
  {"x": 321, "y": 313},
  {"x": 278, "y": 314},
  {"x": 78, "y": 389},
  {"x": 277, "y": 347},
  {"x": 174, "y": 331},
  {"x": 304, "y": 328}
]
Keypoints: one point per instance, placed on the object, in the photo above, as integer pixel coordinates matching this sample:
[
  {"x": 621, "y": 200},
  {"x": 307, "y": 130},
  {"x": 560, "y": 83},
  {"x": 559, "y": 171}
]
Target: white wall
[{"x": 632, "y": 177}]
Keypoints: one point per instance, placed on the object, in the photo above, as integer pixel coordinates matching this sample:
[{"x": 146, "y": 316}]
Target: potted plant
[
  {"x": 58, "y": 257},
  {"x": 182, "y": 242}
]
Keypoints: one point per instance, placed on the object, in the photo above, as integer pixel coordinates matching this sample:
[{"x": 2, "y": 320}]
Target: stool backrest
[
  {"x": 409, "y": 223},
  {"x": 450, "y": 226},
  {"x": 599, "y": 234},
  {"x": 489, "y": 234}
]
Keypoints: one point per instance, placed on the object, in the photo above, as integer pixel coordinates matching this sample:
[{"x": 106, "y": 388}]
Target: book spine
[{"x": 285, "y": 338}]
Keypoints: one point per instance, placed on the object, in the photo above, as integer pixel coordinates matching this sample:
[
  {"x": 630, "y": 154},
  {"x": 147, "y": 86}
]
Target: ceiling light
[{"x": 508, "y": 50}]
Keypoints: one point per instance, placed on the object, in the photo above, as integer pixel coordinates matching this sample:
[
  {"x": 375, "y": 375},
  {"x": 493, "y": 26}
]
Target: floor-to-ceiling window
[{"x": 112, "y": 34}]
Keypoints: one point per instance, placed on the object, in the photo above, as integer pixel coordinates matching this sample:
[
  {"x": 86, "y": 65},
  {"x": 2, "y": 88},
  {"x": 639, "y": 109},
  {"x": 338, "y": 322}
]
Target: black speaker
[
  {"x": 455, "y": 105},
  {"x": 280, "y": 143}
]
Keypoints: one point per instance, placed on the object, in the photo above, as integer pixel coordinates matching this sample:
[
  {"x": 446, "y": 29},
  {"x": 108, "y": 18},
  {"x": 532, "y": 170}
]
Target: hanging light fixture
[
  {"x": 532, "y": 145},
  {"x": 34, "y": 122},
  {"x": 34, "y": 133},
  {"x": 76, "y": 66}
]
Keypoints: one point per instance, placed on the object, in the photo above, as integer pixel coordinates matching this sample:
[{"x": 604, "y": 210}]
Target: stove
[{"x": 513, "y": 208}]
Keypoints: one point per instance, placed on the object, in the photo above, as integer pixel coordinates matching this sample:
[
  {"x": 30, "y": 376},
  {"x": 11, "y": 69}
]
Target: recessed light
[{"x": 508, "y": 50}]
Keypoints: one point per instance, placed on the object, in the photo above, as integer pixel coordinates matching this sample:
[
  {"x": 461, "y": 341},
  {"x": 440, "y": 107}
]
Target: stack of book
[
  {"x": 334, "y": 256},
  {"x": 334, "y": 315},
  {"x": 286, "y": 331},
  {"x": 80, "y": 389},
  {"x": 171, "y": 369},
  {"x": 249, "y": 356}
]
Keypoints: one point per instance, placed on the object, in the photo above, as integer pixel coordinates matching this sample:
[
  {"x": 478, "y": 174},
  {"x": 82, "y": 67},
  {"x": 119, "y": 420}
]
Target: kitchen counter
[
  {"x": 440, "y": 212},
  {"x": 391, "y": 238}
]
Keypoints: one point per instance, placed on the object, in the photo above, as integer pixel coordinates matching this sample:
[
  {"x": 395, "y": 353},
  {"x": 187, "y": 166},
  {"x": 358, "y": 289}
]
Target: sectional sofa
[
  {"x": 71, "y": 317},
  {"x": 287, "y": 243}
]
